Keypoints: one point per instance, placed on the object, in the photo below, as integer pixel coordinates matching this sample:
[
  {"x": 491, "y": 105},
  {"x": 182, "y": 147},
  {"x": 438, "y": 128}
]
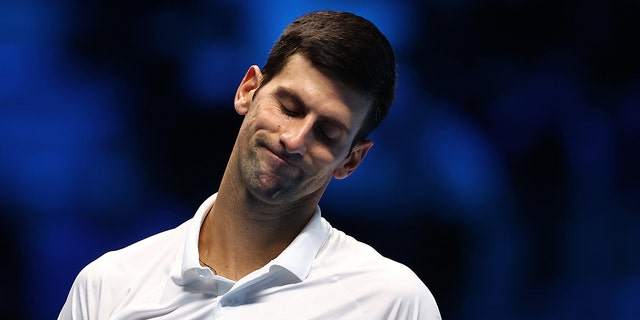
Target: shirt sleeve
[
  {"x": 413, "y": 302},
  {"x": 76, "y": 306},
  {"x": 420, "y": 306},
  {"x": 400, "y": 294},
  {"x": 91, "y": 296}
]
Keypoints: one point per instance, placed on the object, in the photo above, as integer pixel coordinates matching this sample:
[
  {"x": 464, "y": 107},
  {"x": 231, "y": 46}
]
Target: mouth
[{"x": 279, "y": 159}]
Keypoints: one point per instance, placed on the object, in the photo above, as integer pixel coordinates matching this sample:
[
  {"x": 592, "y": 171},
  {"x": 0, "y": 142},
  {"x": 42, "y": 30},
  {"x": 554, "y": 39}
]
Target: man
[{"x": 258, "y": 248}]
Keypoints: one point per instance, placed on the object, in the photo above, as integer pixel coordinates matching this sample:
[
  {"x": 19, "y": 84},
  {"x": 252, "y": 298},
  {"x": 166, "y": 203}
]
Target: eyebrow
[{"x": 284, "y": 93}]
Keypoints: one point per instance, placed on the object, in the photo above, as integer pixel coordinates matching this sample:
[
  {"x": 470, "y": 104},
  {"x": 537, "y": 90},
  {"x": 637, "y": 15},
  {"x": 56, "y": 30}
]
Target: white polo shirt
[{"x": 322, "y": 274}]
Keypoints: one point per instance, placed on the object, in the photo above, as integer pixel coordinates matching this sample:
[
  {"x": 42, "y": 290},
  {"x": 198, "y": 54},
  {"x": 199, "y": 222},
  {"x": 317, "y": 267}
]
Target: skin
[{"x": 296, "y": 135}]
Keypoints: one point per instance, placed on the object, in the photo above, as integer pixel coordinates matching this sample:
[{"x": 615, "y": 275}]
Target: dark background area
[{"x": 506, "y": 174}]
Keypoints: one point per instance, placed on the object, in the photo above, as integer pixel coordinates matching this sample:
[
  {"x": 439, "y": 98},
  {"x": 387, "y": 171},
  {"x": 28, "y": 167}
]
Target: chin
[{"x": 268, "y": 189}]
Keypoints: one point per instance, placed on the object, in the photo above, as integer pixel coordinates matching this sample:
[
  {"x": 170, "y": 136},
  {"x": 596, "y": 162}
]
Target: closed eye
[
  {"x": 327, "y": 133},
  {"x": 288, "y": 111}
]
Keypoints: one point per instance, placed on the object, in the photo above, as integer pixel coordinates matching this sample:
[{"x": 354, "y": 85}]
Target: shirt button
[{"x": 230, "y": 301}]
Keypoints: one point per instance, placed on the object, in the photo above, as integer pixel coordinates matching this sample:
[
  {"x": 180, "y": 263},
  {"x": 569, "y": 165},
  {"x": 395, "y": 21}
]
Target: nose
[{"x": 295, "y": 134}]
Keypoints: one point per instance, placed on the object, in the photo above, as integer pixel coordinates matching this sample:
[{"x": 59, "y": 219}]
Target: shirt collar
[
  {"x": 297, "y": 258},
  {"x": 299, "y": 255},
  {"x": 187, "y": 267}
]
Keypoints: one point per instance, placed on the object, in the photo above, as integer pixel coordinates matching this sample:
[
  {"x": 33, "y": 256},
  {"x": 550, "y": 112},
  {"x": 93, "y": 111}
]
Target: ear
[
  {"x": 246, "y": 89},
  {"x": 353, "y": 160}
]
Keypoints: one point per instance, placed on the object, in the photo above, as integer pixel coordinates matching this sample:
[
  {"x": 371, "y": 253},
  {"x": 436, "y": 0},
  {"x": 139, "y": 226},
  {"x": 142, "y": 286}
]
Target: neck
[{"x": 241, "y": 234}]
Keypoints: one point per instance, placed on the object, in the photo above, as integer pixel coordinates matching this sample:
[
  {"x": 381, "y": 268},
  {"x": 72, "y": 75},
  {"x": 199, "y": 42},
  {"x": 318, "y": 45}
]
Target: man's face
[{"x": 297, "y": 132}]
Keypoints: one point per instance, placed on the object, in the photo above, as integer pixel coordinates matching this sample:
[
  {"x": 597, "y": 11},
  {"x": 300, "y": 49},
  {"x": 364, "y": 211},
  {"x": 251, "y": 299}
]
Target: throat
[{"x": 233, "y": 243}]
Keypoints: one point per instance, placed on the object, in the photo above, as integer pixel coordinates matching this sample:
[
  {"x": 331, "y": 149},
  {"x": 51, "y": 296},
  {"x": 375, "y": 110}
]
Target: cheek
[
  {"x": 326, "y": 160},
  {"x": 266, "y": 119},
  {"x": 254, "y": 123}
]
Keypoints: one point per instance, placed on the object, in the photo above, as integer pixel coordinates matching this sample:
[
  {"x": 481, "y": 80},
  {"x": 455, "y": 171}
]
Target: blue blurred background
[{"x": 506, "y": 175}]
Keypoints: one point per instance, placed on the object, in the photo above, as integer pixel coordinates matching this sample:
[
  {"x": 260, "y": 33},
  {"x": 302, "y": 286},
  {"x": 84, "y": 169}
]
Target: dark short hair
[{"x": 347, "y": 47}]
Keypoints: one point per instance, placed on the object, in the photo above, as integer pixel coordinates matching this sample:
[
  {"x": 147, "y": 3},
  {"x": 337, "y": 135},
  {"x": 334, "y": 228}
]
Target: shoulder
[
  {"x": 102, "y": 284},
  {"x": 134, "y": 257},
  {"x": 116, "y": 270},
  {"x": 345, "y": 255},
  {"x": 381, "y": 285}
]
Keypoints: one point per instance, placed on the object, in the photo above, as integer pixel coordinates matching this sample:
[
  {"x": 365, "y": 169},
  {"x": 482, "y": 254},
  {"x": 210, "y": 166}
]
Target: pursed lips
[{"x": 282, "y": 159}]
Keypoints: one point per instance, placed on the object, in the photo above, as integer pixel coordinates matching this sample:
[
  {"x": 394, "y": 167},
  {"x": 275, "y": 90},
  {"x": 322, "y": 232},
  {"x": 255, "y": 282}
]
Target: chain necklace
[{"x": 210, "y": 267}]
